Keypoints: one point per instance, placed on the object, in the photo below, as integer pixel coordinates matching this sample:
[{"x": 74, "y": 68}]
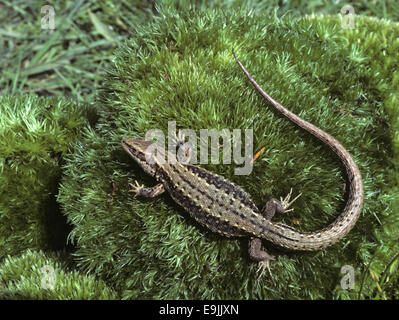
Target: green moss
[
  {"x": 35, "y": 133},
  {"x": 180, "y": 68},
  {"x": 36, "y": 275}
]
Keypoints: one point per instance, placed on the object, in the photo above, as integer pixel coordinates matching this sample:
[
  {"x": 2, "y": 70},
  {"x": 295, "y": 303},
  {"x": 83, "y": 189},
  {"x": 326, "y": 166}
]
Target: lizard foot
[
  {"x": 136, "y": 188},
  {"x": 261, "y": 256},
  {"x": 180, "y": 138},
  {"x": 263, "y": 265},
  {"x": 184, "y": 150},
  {"x": 286, "y": 203},
  {"x": 151, "y": 192}
]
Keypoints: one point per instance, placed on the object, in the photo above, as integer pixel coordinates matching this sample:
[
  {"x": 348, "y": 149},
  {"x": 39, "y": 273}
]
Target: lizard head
[{"x": 143, "y": 153}]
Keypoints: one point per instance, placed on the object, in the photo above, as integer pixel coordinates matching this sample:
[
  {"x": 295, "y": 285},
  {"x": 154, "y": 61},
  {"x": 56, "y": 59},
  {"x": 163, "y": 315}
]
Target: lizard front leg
[{"x": 152, "y": 192}]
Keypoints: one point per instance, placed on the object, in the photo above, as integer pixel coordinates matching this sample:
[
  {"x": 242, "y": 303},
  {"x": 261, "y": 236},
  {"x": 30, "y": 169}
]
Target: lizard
[{"x": 227, "y": 209}]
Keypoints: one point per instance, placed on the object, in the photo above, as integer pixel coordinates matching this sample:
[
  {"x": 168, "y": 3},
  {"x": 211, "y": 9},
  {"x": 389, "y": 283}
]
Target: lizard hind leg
[
  {"x": 261, "y": 256},
  {"x": 279, "y": 206},
  {"x": 269, "y": 210},
  {"x": 286, "y": 203}
]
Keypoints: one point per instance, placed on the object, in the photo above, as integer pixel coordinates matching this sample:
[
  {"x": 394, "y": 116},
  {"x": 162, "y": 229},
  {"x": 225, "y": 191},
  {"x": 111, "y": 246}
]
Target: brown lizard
[{"x": 225, "y": 208}]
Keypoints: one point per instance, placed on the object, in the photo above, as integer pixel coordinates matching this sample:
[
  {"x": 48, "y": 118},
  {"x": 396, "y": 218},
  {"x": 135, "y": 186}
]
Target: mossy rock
[
  {"x": 181, "y": 69},
  {"x": 36, "y": 275},
  {"x": 35, "y": 133}
]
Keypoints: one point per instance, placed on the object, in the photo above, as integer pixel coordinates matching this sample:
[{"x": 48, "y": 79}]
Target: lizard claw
[
  {"x": 265, "y": 264},
  {"x": 286, "y": 203},
  {"x": 136, "y": 188},
  {"x": 179, "y": 138},
  {"x": 184, "y": 148}
]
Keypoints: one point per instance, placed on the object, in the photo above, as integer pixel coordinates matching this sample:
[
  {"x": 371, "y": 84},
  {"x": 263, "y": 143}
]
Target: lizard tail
[{"x": 294, "y": 239}]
